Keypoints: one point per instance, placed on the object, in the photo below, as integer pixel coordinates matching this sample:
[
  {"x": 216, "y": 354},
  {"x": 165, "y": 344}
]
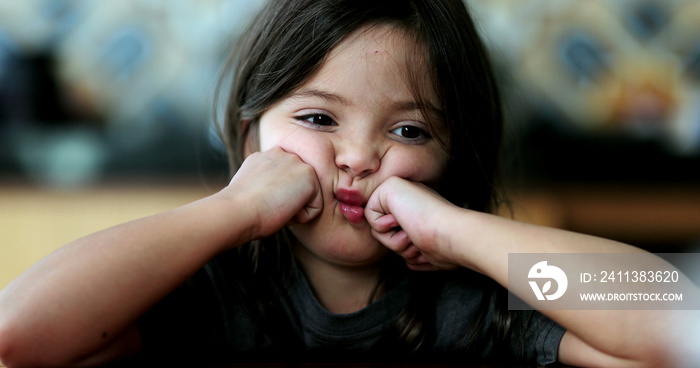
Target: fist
[
  {"x": 278, "y": 188},
  {"x": 409, "y": 219}
]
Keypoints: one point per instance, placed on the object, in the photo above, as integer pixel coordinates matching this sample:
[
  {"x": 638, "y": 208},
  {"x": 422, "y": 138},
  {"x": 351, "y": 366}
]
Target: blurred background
[
  {"x": 106, "y": 114},
  {"x": 603, "y": 102}
]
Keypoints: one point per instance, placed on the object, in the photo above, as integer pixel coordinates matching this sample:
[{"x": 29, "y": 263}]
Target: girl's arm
[
  {"x": 79, "y": 304},
  {"x": 434, "y": 234}
]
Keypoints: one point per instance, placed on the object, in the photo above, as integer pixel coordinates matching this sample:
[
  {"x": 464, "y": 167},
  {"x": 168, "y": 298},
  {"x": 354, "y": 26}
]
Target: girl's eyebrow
[
  {"x": 412, "y": 106},
  {"x": 398, "y": 105},
  {"x": 331, "y": 97}
]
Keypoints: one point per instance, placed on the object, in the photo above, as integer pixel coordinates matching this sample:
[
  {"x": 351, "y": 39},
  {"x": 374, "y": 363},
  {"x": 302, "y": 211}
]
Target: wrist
[
  {"x": 462, "y": 230},
  {"x": 230, "y": 220}
]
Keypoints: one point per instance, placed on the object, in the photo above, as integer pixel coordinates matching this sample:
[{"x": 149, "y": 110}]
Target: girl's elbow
[
  {"x": 660, "y": 356},
  {"x": 19, "y": 350},
  {"x": 10, "y": 355},
  {"x": 20, "y": 347},
  {"x": 6, "y": 347},
  {"x": 13, "y": 356}
]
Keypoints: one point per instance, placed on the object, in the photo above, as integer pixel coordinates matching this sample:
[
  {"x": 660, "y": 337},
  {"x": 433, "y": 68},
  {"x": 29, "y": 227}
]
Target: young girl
[{"x": 365, "y": 136}]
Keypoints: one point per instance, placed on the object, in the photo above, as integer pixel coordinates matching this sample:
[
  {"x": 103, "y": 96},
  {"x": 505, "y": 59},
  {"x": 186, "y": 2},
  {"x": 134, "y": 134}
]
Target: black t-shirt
[{"x": 205, "y": 320}]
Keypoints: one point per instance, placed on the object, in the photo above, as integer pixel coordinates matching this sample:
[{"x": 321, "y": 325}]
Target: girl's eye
[
  {"x": 316, "y": 119},
  {"x": 411, "y": 133}
]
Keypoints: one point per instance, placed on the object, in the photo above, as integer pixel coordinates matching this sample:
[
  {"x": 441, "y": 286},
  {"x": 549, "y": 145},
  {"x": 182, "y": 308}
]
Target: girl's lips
[
  {"x": 351, "y": 205},
  {"x": 354, "y": 214}
]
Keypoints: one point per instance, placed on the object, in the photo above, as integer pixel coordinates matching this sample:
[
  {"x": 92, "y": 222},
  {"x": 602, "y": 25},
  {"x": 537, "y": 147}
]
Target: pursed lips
[{"x": 351, "y": 204}]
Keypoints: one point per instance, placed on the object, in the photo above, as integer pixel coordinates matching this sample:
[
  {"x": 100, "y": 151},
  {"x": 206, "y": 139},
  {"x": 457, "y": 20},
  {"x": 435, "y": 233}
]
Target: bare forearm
[
  {"x": 625, "y": 334},
  {"x": 487, "y": 247},
  {"x": 84, "y": 295}
]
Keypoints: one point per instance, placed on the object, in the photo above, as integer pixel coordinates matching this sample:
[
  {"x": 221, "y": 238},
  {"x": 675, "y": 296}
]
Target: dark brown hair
[{"x": 288, "y": 43}]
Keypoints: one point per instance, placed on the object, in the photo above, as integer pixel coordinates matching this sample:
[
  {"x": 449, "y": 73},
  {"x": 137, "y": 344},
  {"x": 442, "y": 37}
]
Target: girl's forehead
[
  {"x": 372, "y": 38},
  {"x": 381, "y": 51},
  {"x": 380, "y": 40}
]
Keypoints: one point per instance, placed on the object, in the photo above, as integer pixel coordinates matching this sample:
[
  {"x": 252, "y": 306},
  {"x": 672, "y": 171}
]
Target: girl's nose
[{"x": 357, "y": 157}]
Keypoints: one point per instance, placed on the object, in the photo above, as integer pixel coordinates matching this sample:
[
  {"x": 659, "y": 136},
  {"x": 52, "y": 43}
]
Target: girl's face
[{"x": 357, "y": 123}]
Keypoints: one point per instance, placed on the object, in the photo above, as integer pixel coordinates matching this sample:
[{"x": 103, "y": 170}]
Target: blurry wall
[
  {"x": 600, "y": 89},
  {"x": 90, "y": 88},
  {"x": 603, "y": 106}
]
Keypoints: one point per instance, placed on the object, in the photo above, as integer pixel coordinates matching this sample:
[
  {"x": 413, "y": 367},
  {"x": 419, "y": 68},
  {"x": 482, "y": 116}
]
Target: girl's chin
[
  {"x": 347, "y": 257},
  {"x": 342, "y": 247}
]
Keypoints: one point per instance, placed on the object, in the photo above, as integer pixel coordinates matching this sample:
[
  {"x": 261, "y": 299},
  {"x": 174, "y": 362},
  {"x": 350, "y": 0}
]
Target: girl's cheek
[
  {"x": 317, "y": 153},
  {"x": 273, "y": 134},
  {"x": 313, "y": 149},
  {"x": 423, "y": 167}
]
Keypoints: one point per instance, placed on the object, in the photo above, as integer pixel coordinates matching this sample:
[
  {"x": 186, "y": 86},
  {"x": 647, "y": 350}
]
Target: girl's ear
[{"x": 251, "y": 141}]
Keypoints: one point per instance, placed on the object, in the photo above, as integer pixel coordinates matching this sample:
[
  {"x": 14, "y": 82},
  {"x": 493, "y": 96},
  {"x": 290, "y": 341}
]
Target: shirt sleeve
[
  {"x": 470, "y": 309},
  {"x": 545, "y": 336}
]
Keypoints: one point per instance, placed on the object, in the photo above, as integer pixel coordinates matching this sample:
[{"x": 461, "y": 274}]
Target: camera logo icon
[{"x": 541, "y": 271}]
